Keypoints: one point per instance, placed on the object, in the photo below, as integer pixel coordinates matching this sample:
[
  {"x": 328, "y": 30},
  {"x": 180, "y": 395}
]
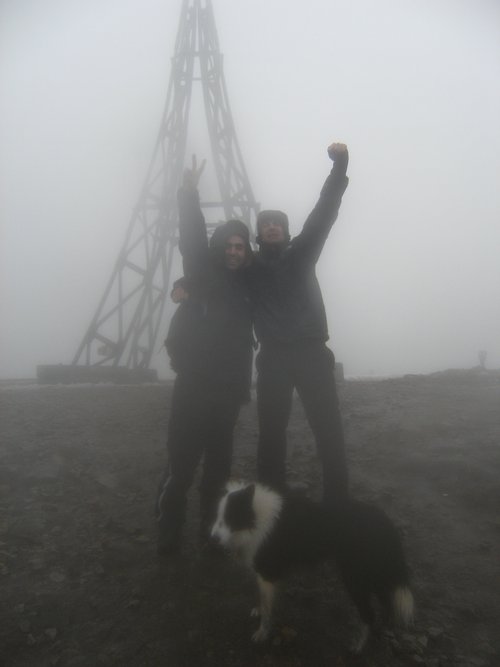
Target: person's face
[
  {"x": 235, "y": 254},
  {"x": 271, "y": 231}
]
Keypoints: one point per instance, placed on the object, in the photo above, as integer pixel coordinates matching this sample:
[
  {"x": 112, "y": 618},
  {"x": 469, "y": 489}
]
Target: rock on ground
[{"x": 82, "y": 585}]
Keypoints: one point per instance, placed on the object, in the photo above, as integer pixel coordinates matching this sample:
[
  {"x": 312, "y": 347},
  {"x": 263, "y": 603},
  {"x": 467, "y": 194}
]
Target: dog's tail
[{"x": 403, "y": 605}]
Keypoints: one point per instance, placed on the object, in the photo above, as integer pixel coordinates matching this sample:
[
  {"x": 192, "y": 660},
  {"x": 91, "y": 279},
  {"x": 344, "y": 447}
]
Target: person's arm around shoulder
[{"x": 320, "y": 221}]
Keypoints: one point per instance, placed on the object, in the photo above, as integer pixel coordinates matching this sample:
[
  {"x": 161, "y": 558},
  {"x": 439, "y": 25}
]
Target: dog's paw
[
  {"x": 255, "y": 613},
  {"x": 260, "y": 635}
]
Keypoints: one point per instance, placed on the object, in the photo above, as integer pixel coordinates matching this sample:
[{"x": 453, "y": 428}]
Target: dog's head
[
  {"x": 235, "y": 514},
  {"x": 245, "y": 515}
]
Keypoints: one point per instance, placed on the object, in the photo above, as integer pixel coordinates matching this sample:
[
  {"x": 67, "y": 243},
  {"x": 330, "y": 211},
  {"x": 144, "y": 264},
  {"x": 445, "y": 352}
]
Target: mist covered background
[{"x": 411, "y": 271}]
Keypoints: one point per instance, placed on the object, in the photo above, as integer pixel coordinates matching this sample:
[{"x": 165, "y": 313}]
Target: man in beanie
[
  {"x": 211, "y": 351},
  {"x": 291, "y": 327}
]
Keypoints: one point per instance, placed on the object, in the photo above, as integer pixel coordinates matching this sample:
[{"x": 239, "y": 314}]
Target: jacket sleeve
[
  {"x": 193, "y": 240},
  {"x": 309, "y": 243}
]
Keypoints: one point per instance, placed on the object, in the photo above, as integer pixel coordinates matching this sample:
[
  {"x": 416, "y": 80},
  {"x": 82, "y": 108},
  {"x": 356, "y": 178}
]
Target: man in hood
[
  {"x": 210, "y": 342},
  {"x": 291, "y": 327}
]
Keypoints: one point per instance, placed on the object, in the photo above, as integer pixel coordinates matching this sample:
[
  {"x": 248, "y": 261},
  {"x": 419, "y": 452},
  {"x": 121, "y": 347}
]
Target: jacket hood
[{"x": 223, "y": 232}]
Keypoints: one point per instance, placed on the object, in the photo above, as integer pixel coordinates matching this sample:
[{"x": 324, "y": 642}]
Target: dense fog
[{"x": 410, "y": 273}]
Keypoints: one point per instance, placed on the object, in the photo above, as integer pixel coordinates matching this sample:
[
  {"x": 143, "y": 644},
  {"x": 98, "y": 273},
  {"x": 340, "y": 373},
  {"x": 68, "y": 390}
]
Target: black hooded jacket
[
  {"x": 211, "y": 333},
  {"x": 287, "y": 298}
]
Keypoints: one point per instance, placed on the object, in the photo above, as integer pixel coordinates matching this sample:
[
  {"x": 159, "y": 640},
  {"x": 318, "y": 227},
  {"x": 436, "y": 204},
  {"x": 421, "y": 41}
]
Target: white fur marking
[
  {"x": 360, "y": 642},
  {"x": 266, "y": 505},
  {"x": 266, "y": 592},
  {"x": 403, "y": 605}
]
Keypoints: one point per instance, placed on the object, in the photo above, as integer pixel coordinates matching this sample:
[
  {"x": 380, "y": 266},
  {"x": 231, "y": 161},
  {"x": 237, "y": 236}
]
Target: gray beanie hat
[{"x": 277, "y": 217}]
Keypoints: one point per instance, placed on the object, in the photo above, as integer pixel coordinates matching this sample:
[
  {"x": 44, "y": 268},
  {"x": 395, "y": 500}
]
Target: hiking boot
[{"x": 170, "y": 512}]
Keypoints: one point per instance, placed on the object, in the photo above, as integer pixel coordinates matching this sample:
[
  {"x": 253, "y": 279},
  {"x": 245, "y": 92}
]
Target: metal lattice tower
[{"x": 128, "y": 320}]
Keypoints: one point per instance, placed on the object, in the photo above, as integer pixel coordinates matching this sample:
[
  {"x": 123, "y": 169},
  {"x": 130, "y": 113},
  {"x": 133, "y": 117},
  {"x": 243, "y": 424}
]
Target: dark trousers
[
  {"x": 309, "y": 368},
  {"x": 201, "y": 424}
]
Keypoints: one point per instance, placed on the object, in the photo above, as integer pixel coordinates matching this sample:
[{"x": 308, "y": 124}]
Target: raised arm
[
  {"x": 193, "y": 240},
  {"x": 316, "y": 228}
]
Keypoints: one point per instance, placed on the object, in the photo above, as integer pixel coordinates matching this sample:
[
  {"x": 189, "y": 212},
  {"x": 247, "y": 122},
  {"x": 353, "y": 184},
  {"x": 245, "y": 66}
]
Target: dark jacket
[
  {"x": 182, "y": 341},
  {"x": 210, "y": 337},
  {"x": 285, "y": 291}
]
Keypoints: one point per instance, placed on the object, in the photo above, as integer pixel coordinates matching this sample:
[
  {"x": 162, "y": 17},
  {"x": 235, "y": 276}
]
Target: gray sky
[{"x": 411, "y": 272}]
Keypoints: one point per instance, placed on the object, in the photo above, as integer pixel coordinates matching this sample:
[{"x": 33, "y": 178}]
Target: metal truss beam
[{"x": 128, "y": 320}]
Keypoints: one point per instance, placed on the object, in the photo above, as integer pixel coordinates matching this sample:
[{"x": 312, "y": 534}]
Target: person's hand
[
  {"x": 192, "y": 176},
  {"x": 339, "y": 154},
  {"x": 179, "y": 294}
]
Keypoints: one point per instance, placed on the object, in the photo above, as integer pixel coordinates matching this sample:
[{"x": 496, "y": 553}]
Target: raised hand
[
  {"x": 192, "y": 176},
  {"x": 339, "y": 154}
]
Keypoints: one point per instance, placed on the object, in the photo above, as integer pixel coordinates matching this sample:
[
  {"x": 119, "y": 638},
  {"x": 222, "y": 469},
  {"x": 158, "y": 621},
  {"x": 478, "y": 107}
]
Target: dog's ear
[
  {"x": 240, "y": 514},
  {"x": 249, "y": 492}
]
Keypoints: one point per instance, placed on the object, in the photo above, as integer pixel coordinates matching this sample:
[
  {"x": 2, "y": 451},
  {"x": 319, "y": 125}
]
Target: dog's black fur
[{"x": 274, "y": 534}]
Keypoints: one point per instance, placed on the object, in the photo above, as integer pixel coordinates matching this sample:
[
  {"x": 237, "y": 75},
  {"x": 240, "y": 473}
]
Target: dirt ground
[{"x": 82, "y": 585}]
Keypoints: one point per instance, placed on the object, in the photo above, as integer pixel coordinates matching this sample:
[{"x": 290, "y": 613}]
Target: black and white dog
[{"x": 271, "y": 533}]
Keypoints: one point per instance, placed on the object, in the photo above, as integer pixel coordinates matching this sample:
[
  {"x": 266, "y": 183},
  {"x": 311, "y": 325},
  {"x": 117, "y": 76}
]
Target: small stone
[
  {"x": 133, "y": 604},
  {"x": 486, "y": 648},
  {"x": 30, "y": 640},
  {"x": 57, "y": 577},
  {"x": 107, "y": 480},
  {"x": 142, "y": 539},
  {"x": 25, "y": 626},
  {"x": 435, "y": 633},
  {"x": 77, "y": 661},
  {"x": 288, "y": 633},
  {"x": 434, "y": 662},
  {"x": 51, "y": 633},
  {"x": 396, "y": 646}
]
